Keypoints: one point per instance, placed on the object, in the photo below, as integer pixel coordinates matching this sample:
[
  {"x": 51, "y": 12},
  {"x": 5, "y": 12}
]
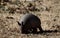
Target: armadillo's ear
[
  {"x": 22, "y": 23},
  {"x": 18, "y": 23}
]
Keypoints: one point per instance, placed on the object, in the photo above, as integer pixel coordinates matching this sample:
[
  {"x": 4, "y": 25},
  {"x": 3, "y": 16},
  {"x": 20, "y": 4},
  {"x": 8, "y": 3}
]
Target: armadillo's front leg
[{"x": 40, "y": 28}]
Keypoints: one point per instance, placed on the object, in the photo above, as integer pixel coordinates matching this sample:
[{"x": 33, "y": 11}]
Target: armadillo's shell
[{"x": 30, "y": 17}]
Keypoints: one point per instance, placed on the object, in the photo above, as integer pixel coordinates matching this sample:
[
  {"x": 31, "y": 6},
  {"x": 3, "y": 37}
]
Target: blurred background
[{"x": 12, "y": 10}]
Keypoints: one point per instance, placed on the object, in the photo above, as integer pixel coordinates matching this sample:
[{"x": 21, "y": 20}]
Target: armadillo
[{"x": 29, "y": 23}]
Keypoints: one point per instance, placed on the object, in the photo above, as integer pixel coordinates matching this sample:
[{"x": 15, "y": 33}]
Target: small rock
[
  {"x": 54, "y": 19},
  {"x": 9, "y": 17}
]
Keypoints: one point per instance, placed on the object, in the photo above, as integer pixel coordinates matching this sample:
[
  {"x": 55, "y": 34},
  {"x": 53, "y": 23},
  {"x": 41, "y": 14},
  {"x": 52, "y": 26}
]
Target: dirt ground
[{"x": 11, "y": 11}]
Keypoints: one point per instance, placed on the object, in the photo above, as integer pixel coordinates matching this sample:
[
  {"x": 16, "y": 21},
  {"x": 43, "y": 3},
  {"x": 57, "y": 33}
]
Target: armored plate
[{"x": 30, "y": 18}]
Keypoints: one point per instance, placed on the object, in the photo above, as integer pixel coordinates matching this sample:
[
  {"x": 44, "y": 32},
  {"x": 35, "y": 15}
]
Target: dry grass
[{"x": 46, "y": 10}]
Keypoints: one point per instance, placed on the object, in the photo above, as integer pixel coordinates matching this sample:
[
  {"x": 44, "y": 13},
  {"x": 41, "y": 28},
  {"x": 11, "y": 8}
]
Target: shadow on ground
[{"x": 46, "y": 31}]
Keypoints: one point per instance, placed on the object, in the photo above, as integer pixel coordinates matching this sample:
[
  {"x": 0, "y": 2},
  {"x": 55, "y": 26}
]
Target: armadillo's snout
[{"x": 18, "y": 23}]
